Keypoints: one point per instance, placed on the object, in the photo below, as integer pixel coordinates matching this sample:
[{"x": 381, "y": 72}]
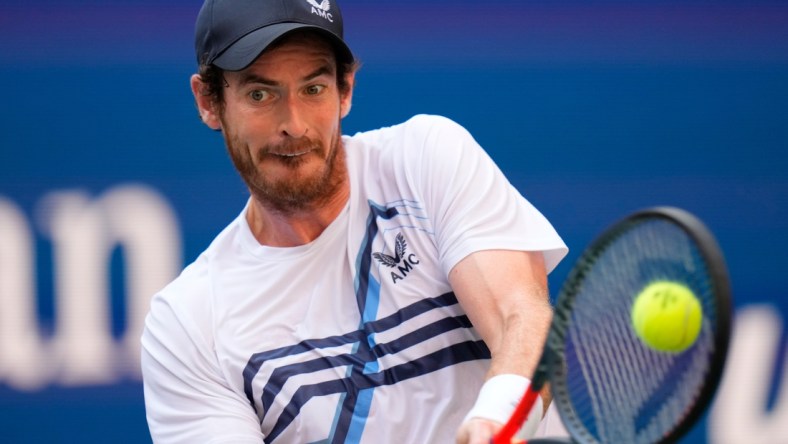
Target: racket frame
[{"x": 550, "y": 365}]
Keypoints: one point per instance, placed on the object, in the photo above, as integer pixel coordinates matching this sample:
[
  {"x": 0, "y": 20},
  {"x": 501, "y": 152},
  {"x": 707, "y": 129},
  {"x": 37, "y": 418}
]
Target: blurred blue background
[{"x": 109, "y": 183}]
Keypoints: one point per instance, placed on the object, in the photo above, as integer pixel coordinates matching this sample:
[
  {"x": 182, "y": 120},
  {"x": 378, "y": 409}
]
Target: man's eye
[
  {"x": 258, "y": 95},
  {"x": 314, "y": 89}
]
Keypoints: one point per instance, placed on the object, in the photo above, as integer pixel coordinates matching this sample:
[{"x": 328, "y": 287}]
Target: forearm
[
  {"x": 517, "y": 345},
  {"x": 505, "y": 296},
  {"x": 522, "y": 339}
]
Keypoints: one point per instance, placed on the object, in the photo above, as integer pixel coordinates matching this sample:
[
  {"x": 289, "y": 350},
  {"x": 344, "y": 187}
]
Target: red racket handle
[{"x": 504, "y": 436}]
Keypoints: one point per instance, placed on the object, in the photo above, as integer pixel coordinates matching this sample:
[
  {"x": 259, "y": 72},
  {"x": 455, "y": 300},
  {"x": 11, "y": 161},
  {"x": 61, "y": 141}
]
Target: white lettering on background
[
  {"x": 84, "y": 233},
  {"x": 740, "y": 413}
]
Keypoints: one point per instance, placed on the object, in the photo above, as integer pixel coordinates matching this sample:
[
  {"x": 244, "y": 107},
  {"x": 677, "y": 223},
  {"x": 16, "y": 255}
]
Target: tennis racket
[{"x": 608, "y": 386}]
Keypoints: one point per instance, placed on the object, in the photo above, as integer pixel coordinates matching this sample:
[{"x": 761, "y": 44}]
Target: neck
[{"x": 289, "y": 229}]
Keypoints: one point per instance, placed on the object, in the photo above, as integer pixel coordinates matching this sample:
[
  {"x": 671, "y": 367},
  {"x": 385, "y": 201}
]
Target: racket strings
[{"x": 623, "y": 391}]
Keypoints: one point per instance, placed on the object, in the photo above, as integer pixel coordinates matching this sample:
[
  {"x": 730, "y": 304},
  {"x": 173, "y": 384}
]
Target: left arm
[{"x": 504, "y": 294}]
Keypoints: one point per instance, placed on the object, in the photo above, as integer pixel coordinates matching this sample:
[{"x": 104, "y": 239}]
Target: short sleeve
[{"x": 475, "y": 206}]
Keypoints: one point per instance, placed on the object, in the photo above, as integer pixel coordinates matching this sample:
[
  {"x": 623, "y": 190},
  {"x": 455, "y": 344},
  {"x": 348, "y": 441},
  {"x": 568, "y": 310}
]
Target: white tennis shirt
[{"x": 355, "y": 337}]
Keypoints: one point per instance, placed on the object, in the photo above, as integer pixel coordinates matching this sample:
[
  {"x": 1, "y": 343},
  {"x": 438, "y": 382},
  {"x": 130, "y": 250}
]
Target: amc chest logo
[{"x": 402, "y": 262}]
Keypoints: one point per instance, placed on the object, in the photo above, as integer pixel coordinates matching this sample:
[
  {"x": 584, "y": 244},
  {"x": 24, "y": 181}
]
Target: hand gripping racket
[{"x": 608, "y": 386}]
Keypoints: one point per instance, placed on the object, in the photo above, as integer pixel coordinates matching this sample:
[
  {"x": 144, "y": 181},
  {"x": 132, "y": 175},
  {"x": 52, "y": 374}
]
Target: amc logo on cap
[{"x": 321, "y": 9}]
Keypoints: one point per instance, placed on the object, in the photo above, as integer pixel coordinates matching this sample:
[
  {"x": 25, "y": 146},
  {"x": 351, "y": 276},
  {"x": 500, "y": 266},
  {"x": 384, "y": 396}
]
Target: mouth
[
  {"x": 290, "y": 152},
  {"x": 301, "y": 153}
]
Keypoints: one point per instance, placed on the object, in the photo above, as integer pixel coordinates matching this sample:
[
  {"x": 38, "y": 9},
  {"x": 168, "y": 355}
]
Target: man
[{"x": 385, "y": 287}]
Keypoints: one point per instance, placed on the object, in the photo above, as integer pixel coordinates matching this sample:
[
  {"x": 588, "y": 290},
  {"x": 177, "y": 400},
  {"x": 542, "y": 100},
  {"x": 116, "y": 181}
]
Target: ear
[
  {"x": 346, "y": 100},
  {"x": 205, "y": 104}
]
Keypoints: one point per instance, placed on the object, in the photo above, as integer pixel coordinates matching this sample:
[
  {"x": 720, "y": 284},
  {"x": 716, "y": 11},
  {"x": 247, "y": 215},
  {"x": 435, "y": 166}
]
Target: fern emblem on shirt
[
  {"x": 400, "y": 262},
  {"x": 399, "y": 251}
]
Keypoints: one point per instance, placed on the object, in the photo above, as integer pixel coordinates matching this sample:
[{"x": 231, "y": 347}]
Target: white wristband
[{"x": 499, "y": 397}]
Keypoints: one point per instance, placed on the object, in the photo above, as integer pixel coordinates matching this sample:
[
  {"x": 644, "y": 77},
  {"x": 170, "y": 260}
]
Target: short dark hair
[{"x": 213, "y": 76}]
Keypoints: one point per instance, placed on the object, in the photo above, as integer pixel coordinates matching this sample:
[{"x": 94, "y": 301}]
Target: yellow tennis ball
[{"x": 667, "y": 316}]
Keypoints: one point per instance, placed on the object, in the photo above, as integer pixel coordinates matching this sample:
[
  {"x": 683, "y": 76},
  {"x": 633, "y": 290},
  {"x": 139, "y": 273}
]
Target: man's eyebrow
[
  {"x": 252, "y": 78},
  {"x": 325, "y": 69},
  {"x": 249, "y": 77}
]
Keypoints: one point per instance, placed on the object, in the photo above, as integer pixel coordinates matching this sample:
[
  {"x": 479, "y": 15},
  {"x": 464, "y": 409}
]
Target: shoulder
[
  {"x": 183, "y": 304},
  {"x": 435, "y": 128},
  {"x": 419, "y": 138},
  {"x": 436, "y": 136},
  {"x": 431, "y": 122},
  {"x": 187, "y": 302},
  {"x": 418, "y": 128}
]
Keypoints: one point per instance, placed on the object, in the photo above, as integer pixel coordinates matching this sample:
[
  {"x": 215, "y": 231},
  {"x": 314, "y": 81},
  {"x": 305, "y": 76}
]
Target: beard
[{"x": 300, "y": 190}]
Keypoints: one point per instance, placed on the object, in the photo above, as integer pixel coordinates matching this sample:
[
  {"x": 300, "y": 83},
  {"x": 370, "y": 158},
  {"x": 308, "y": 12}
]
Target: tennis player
[{"x": 386, "y": 287}]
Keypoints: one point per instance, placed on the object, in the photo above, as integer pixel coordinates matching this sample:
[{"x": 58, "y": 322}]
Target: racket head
[{"x": 607, "y": 385}]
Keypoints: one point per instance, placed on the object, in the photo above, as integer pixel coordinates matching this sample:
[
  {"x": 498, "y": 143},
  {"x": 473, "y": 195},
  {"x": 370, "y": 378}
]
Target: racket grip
[{"x": 507, "y": 432}]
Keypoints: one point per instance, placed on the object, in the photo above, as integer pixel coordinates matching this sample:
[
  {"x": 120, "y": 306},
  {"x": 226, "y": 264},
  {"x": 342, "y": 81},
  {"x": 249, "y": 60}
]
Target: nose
[{"x": 292, "y": 122}]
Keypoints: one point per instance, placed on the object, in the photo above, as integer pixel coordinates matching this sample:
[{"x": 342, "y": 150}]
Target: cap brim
[{"x": 246, "y": 49}]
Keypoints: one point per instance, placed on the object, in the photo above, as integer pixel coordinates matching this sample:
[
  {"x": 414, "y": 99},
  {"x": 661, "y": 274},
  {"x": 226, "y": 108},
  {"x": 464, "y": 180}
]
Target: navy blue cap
[{"x": 231, "y": 34}]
